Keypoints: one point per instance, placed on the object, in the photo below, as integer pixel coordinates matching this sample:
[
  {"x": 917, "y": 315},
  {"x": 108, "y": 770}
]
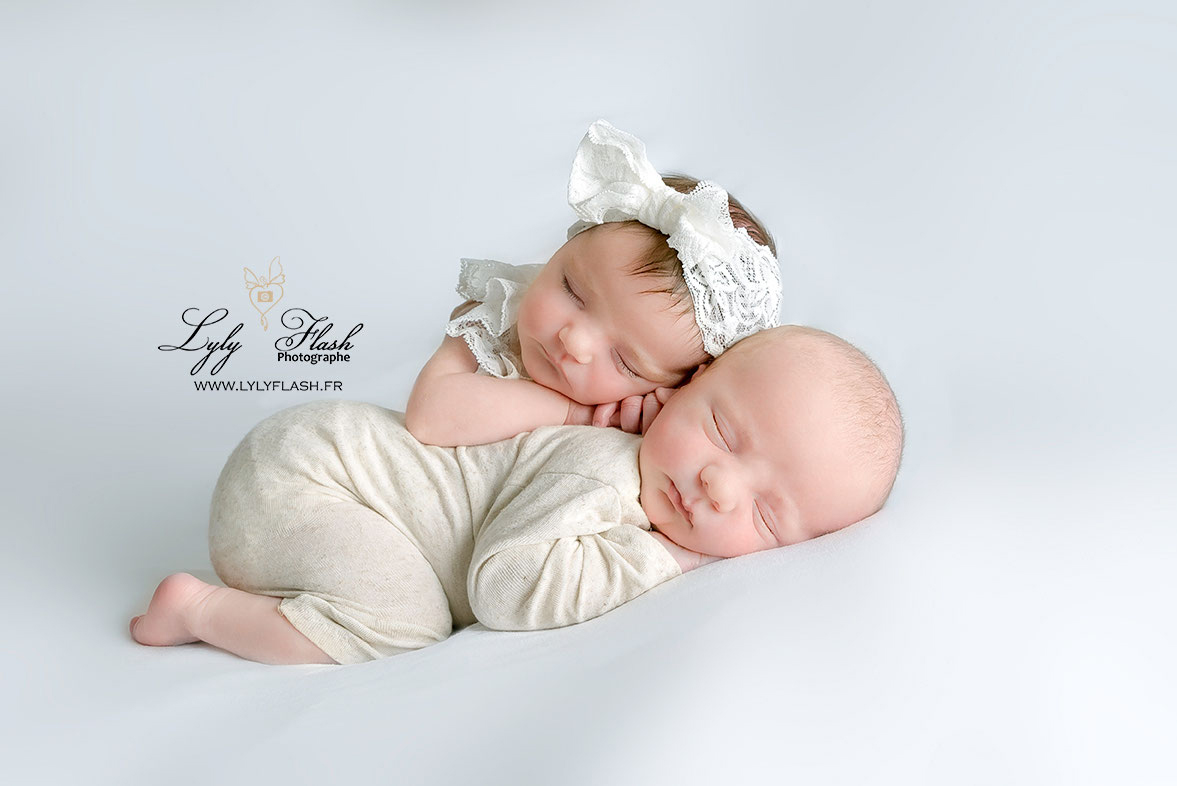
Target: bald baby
[{"x": 791, "y": 434}]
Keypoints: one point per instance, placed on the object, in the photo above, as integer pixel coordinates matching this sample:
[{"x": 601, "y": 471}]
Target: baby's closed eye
[
  {"x": 716, "y": 434},
  {"x": 569, "y": 291},
  {"x": 624, "y": 367}
]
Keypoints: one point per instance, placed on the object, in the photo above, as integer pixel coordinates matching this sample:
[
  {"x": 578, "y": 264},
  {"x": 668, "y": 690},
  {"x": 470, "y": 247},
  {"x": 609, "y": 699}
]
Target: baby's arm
[
  {"x": 452, "y": 405},
  {"x": 557, "y": 554}
]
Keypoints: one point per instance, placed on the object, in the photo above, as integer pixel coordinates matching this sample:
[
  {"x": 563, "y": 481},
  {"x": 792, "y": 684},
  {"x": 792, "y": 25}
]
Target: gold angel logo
[{"x": 265, "y": 292}]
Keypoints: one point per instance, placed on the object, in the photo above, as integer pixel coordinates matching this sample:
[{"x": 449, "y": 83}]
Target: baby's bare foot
[{"x": 167, "y": 619}]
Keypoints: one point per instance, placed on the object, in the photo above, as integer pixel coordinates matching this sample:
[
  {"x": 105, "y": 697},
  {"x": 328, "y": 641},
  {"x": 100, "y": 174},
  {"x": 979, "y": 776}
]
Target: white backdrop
[{"x": 980, "y": 195}]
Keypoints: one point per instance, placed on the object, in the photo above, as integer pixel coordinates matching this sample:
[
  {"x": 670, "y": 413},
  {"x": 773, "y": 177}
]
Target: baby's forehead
[
  {"x": 760, "y": 384},
  {"x": 755, "y": 359}
]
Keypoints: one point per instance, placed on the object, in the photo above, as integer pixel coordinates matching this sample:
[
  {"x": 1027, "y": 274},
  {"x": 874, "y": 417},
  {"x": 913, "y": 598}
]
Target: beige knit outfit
[{"x": 379, "y": 544}]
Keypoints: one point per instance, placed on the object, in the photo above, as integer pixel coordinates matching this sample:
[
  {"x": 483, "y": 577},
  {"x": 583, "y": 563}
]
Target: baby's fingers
[
  {"x": 651, "y": 406},
  {"x": 604, "y": 413},
  {"x": 579, "y": 414},
  {"x": 631, "y": 414}
]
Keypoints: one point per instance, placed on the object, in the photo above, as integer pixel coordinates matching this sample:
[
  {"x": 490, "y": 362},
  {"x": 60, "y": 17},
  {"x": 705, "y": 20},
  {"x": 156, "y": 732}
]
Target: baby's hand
[
  {"x": 633, "y": 414},
  {"x": 623, "y": 414},
  {"x": 579, "y": 414}
]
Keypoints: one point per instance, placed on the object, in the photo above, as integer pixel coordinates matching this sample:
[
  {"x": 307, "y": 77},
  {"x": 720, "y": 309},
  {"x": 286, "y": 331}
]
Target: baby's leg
[
  {"x": 295, "y": 517},
  {"x": 184, "y": 609},
  {"x": 348, "y": 579}
]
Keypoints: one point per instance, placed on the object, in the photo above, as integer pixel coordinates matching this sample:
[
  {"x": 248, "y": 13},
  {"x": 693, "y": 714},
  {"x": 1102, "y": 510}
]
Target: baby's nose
[
  {"x": 720, "y": 489},
  {"x": 576, "y": 344}
]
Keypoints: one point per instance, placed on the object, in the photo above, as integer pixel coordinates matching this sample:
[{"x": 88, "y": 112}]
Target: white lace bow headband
[{"x": 734, "y": 281}]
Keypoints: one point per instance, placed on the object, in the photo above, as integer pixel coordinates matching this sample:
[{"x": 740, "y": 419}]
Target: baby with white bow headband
[{"x": 658, "y": 275}]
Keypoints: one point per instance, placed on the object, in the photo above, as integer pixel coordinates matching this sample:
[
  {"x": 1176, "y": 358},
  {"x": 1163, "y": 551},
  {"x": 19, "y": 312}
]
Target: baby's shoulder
[
  {"x": 605, "y": 454},
  {"x": 494, "y": 294}
]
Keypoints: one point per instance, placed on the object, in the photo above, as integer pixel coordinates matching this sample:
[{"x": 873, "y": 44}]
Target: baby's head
[
  {"x": 789, "y": 435},
  {"x": 611, "y": 314}
]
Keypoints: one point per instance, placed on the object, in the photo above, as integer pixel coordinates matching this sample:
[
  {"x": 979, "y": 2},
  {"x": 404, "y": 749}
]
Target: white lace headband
[{"x": 734, "y": 281}]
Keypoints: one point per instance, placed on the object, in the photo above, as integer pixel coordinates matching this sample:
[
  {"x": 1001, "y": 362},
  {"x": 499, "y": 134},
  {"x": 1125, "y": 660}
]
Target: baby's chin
[{"x": 707, "y": 551}]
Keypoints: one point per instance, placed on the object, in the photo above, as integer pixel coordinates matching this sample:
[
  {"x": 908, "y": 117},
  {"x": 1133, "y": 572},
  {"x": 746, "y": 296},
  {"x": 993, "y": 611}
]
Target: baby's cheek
[
  {"x": 529, "y": 322},
  {"x": 589, "y": 389}
]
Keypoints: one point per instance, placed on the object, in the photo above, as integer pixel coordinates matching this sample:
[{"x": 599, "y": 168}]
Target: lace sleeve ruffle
[{"x": 489, "y": 328}]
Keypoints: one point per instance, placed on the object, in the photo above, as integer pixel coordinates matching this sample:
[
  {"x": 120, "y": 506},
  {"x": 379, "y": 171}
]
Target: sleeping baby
[
  {"x": 659, "y": 274},
  {"x": 343, "y": 539}
]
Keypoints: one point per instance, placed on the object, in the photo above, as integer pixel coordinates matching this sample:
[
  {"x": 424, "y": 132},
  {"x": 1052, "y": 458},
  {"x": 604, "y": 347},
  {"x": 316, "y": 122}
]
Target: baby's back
[{"x": 295, "y": 468}]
